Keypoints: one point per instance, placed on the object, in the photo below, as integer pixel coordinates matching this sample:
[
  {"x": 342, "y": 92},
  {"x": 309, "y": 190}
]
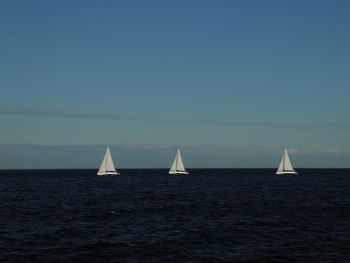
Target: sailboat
[
  {"x": 107, "y": 166},
  {"x": 285, "y": 166},
  {"x": 178, "y": 166}
]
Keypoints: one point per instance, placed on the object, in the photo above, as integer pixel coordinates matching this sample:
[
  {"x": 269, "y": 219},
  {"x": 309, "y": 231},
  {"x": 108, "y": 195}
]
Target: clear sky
[{"x": 230, "y": 82}]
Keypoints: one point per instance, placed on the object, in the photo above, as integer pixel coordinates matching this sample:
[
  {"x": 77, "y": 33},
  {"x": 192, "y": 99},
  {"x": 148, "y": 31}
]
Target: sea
[{"x": 146, "y": 215}]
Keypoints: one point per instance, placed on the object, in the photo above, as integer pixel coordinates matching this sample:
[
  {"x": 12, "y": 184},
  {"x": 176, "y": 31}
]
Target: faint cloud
[
  {"x": 134, "y": 118},
  {"x": 7, "y": 147},
  {"x": 148, "y": 146},
  {"x": 334, "y": 151},
  {"x": 294, "y": 150},
  {"x": 59, "y": 114}
]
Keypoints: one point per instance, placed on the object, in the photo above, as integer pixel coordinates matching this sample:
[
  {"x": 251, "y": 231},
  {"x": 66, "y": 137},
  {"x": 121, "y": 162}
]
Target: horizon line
[
  {"x": 68, "y": 114},
  {"x": 197, "y": 168}
]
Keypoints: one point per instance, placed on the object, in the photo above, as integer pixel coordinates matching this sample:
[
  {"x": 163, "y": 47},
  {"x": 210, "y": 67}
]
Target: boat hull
[
  {"x": 108, "y": 174},
  {"x": 178, "y": 172},
  {"x": 286, "y": 173}
]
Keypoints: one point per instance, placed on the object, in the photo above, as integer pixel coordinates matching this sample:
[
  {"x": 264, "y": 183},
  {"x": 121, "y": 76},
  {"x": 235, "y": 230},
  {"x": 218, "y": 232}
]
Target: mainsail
[
  {"x": 178, "y": 167},
  {"x": 107, "y": 166},
  {"x": 285, "y": 166}
]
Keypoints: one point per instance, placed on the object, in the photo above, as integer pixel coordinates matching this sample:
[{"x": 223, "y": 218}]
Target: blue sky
[{"x": 230, "y": 82}]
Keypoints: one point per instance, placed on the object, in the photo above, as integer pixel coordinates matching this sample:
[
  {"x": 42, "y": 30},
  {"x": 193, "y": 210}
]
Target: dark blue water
[{"x": 241, "y": 215}]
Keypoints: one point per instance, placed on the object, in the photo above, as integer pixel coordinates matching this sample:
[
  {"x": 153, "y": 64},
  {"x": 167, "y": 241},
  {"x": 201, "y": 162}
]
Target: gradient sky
[{"x": 230, "y": 82}]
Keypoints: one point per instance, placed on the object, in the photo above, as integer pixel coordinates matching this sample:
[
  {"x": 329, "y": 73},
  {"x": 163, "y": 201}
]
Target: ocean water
[{"x": 212, "y": 215}]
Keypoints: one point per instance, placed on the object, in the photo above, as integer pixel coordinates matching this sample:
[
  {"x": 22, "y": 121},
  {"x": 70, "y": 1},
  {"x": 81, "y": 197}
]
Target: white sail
[
  {"x": 285, "y": 166},
  {"x": 178, "y": 167},
  {"x": 107, "y": 166},
  {"x": 280, "y": 167}
]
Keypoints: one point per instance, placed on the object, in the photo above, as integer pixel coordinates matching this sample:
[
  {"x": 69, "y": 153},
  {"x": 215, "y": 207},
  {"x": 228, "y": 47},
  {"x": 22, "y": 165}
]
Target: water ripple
[{"x": 147, "y": 216}]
